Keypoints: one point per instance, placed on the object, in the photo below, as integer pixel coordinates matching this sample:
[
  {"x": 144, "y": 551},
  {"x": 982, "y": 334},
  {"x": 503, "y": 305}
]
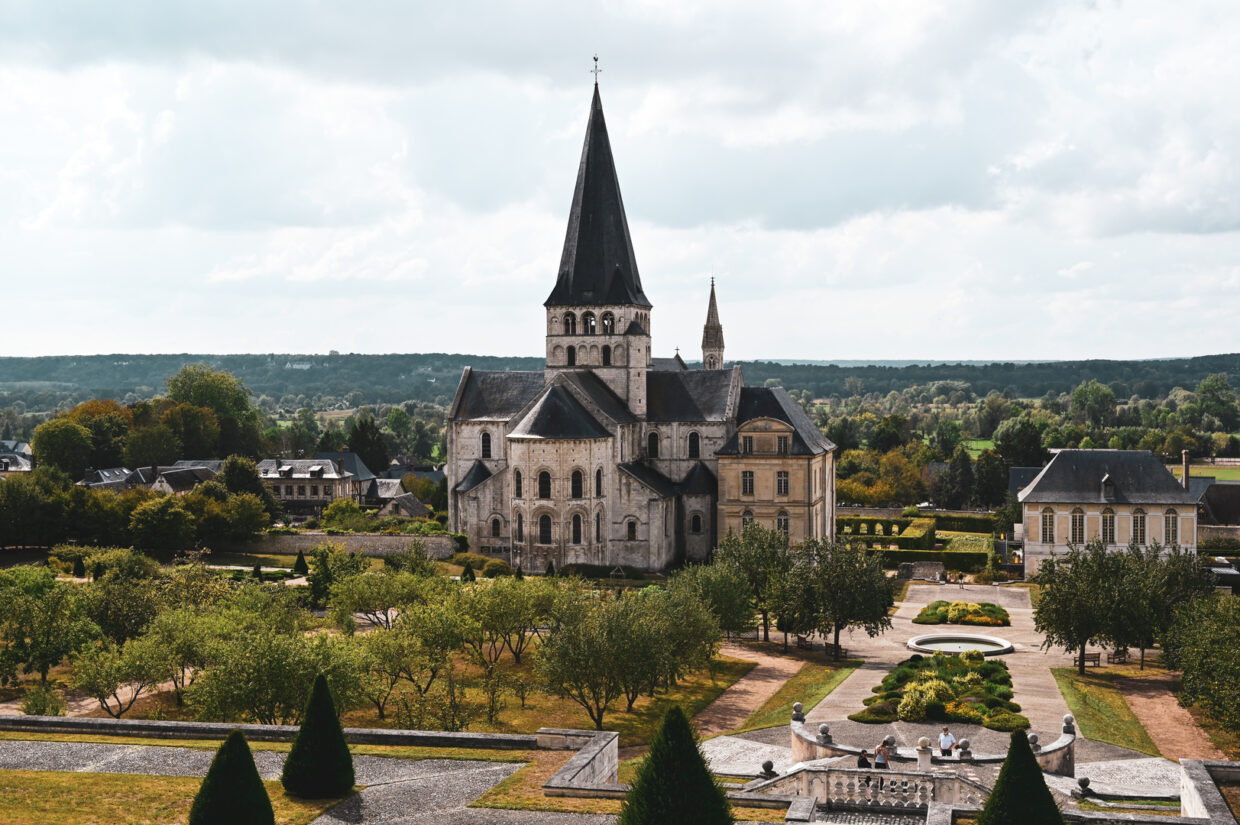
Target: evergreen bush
[
  {"x": 232, "y": 790},
  {"x": 79, "y": 568},
  {"x": 300, "y": 567},
  {"x": 518, "y": 574},
  {"x": 673, "y": 783},
  {"x": 258, "y": 572},
  {"x": 319, "y": 765},
  {"x": 467, "y": 572},
  {"x": 496, "y": 567},
  {"x": 1020, "y": 795},
  {"x": 550, "y": 571}
]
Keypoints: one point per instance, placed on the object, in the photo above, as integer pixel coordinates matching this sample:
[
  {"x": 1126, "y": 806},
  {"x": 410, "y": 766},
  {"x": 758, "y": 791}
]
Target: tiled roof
[
  {"x": 558, "y": 415},
  {"x": 1136, "y": 476},
  {"x": 775, "y": 403},
  {"x": 180, "y": 479}
]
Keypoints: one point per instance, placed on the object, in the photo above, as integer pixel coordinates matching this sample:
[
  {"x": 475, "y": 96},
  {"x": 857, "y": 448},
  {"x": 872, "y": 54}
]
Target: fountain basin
[{"x": 959, "y": 643}]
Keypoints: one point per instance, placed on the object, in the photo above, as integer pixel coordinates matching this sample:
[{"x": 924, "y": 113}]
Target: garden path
[
  {"x": 748, "y": 693},
  {"x": 1170, "y": 726}
]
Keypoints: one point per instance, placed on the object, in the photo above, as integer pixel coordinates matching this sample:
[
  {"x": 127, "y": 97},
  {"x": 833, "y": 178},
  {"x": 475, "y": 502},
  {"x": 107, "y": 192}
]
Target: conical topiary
[
  {"x": 319, "y": 765},
  {"x": 1020, "y": 795},
  {"x": 258, "y": 572},
  {"x": 79, "y": 569},
  {"x": 467, "y": 572},
  {"x": 673, "y": 783},
  {"x": 550, "y": 568},
  {"x": 232, "y": 791},
  {"x": 300, "y": 567},
  {"x": 518, "y": 575}
]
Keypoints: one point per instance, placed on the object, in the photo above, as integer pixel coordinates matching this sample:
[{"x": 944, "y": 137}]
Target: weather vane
[{"x": 595, "y": 70}]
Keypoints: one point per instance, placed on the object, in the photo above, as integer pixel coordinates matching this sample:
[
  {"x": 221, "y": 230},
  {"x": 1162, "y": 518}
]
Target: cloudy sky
[{"x": 868, "y": 180}]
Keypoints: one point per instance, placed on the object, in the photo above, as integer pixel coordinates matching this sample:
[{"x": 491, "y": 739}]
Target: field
[{"x": 1207, "y": 470}]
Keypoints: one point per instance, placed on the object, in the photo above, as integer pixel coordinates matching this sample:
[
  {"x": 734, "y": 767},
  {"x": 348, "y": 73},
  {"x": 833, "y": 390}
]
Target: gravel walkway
[
  {"x": 1172, "y": 728},
  {"x": 748, "y": 693}
]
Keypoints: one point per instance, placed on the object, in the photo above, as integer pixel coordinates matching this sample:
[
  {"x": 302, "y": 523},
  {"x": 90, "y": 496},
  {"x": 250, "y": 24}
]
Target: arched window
[
  {"x": 1048, "y": 526},
  {"x": 495, "y": 526},
  {"x": 1077, "y": 533},
  {"x": 520, "y": 528},
  {"x": 1138, "y": 527},
  {"x": 572, "y": 356},
  {"x": 746, "y": 518},
  {"x": 1108, "y": 526},
  {"x": 606, "y": 355},
  {"x": 598, "y": 527},
  {"x": 608, "y": 323},
  {"x": 1171, "y": 528},
  {"x": 516, "y": 484},
  {"x": 587, "y": 323},
  {"x": 598, "y": 482},
  {"x": 486, "y": 445},
  {"x": 570, "y": 324},
  {"x": 652, "y": 445},
  {"x": 710, "y": 362},
  {"x": 578, "y": 483},
  {"x": 632, "y": 530},
  {"x": 576, "y": 528},
  {"x": 695, "y": 446},
  {"x": 544, "y": 529},
  {"x": 544, "y": 484},
  {"x": 695, "y": 524},
  {"x": 781, "y": 522}
]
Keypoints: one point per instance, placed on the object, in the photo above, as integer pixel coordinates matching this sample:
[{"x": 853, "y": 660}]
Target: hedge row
[
  {"x": 967, "y": 562},
  {"x": 917, "y": 535},
  {"x": 964, "y": 523},
  {"x": 865, "y": 525}
]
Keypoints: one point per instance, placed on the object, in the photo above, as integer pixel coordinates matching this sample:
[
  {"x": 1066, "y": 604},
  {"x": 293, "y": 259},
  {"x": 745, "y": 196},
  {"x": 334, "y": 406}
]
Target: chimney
[{"x": 1184, "y": 463}]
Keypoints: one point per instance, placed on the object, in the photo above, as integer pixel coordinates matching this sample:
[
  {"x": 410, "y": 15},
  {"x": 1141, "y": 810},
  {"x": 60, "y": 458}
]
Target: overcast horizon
[{"x": 866, "y": 182}]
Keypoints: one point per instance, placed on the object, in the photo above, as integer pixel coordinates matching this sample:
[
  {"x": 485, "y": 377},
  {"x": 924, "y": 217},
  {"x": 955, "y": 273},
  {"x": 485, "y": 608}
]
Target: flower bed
[
  {"x": 984, "y": 614},
  {"x": 964, "y": 688}
]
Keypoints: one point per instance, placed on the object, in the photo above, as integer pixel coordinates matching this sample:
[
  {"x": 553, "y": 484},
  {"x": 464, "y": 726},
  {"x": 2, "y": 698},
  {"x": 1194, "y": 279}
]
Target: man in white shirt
[{"x": 947, "y": 742}]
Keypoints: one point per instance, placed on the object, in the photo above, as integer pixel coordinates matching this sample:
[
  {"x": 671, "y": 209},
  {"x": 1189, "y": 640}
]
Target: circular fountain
[{"x": 959, "y": 643}]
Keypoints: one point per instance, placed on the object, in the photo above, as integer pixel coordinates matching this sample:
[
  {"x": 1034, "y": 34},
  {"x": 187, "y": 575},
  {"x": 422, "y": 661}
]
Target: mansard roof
[
  {"x": 692, "y": 395},
  {"x": 1136, "y": 477},
  {"x": 558, "y": 415},
  {"x": 494, "y": 395},
  {"x": 598, "y": 266},
  {"x": 775, "y": 403},
  {"x": 478, "y": 473}
]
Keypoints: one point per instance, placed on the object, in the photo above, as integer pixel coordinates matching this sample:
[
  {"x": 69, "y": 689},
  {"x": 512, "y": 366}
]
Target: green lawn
[
  {"x": 809, "y": 686},
  {"x": 976, "y": 446},
  {"x": 1197, "y": 470},
  {"x": 1101, "y": 711}
]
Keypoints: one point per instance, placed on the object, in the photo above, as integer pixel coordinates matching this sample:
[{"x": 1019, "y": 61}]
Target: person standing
[
  {"x": 947, "y": 742},
  {"x": 880, "y": 756}
]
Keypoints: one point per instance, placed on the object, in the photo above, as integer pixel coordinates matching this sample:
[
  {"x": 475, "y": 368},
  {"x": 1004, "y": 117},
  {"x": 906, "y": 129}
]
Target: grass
[
  {"x": 809, "y": 686},
  {"x": 1101, "y": 711},
  {"x": 42, "y": 797},
  {"x": 975, "y": 446},
  {"x": 1225, "y": 740},
  {"x": 251, "y": 559},
  {"x": 1198, "y": 470},
  {"x": 1231, "y": 792}
]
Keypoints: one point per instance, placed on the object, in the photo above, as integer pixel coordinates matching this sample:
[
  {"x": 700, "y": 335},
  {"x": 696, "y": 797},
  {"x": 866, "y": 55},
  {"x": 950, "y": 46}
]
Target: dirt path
[
  {"x": 747, "y": 694},
  {"x": 1171, "y": 727}
]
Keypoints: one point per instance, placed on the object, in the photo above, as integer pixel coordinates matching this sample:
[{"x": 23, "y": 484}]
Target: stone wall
[
  {"x": 1216, "y": 531},
  {"x": 592, "y": 771},
  {"x": 369, "y": 544}
]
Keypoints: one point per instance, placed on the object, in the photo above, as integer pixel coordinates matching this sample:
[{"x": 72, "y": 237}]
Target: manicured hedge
[
  {"x": 865, "y": 525},
  {"x": 963, "y": 523},
  {"x": 965, "y": 562},
  {"x": 915, "y": 534},
  {"x": 599, "y": 571}
]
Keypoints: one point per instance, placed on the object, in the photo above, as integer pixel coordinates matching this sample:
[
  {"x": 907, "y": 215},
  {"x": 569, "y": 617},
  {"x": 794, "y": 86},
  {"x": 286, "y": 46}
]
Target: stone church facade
[{"x": 612, "y": 456}]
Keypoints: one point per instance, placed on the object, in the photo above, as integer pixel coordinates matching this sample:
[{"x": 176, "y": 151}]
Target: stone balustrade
[{"x": 838, "y": 787}]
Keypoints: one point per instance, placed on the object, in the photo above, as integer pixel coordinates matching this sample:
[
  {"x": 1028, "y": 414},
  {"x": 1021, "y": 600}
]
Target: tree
[
  {"x": 467, "y": 572},
  {"x": 329, "y": 564},
  {"x": 578, "y": 659},
  {"x": 299, "y": 566},
  {"x": 319, "y": 765},
  {"x": 761, "y": 556},
  {"x": 109, "y": 424},
  {"x": 181, "y": 638},
  {"x": 1093, "y": 404},
  {"x": 152, "y": 446},
  {"x": 990, "y": 481},
  {"x": 674, "y": 783},
  {"x": 363, "y": 437},
  {"x": 1020, "y": 443},
  {"x": 956, "y": 485},
  {"x": 1020, "y": 795},
  {"x": 377, "y": 597},
  {"x": 239, "y": 475},
  {"x": 196, "y": 429},
  {"x": 724, "y": 589},
  {"x": 1203, "y": 642},
  {"x": 62, "y": 444},
  {"x": 1217, "y": 398},
  {"x": 225, "y": 396},
  {"x": 116, "y": 677},
  {"x": 889, "y": 433},
  {"x": 947, "y": 437},
  {"x": 1079, "y": 594},
  {"x": 162, "y": 524},
  {"x": 41, "y": 622},
  {"x": 850, "y": 588},
  {"x": 232, "y": 790}
]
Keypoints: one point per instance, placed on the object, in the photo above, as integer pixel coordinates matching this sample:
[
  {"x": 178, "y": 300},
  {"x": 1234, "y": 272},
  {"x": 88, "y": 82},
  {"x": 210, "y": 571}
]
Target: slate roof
[
  {"x": 496, "y": 395},
  {"x": 216, "y": 464},
  {"x": 693, "y": 395},
  {"x": 558, "y": 415},
  {"x": 21, "y": 448},
  {"x": 651, "y": 478},
  {"x": 673, "y": 364},
  {"x": 477, "y": 474},
  {"x": 352, "y": 462},
  {"x": 386, "y": 488},
  {"x": 598, "y": 266},
  {"x": 635, "y": 328},
  {"x": 399, "y": 471},
  {"x": 107, "y": 478},
  {"x": 774, "y": 402},
  {"x": 699, "y": 481},
  {"x": 300, "y": 468},
  {"x": 1197, "y": 485},
  {"x": 1075, "y": 476},
  {"x": 1019, "y": 478},
  {"x": 410, "y": 505},
  {"x": 599, "y": 393},
  {"x": 14, "y": 462},
  {"x": 183, "y": 479},
  {"x": 1220, "y": 504}
]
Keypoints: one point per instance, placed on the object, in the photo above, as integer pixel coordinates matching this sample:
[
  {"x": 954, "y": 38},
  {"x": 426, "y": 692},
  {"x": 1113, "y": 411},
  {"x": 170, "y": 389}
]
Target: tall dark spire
[
  {"x": 712, "y": 335},
  {"x": 598, "y": 266}
]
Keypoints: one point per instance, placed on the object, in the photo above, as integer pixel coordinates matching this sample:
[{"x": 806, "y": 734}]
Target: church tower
[
  {"x": 598, "y": 317},
  {"x": 712, "y": 335}
]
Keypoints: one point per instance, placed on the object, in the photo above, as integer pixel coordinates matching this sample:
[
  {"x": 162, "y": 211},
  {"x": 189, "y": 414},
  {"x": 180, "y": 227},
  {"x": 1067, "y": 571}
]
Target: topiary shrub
[
  {"x": 300, "y": 567},
  {"x": 467, "y": 572},
  {"x": 79, "y": 568},
  {"x": 673, "y": 783},
  {"x": 319, "y": 765},
  {"x": 232, "y": 790},
  {"x": 496, "y": 567},
  {"x": 258, "y": 572},
  {"x": 1020, "y": 795},
  {"x": 1005, "y": 721},
  {"x": 936, "y": 711},
  {"x": 518, "y": 574},
  {"x": 550, "y": 571}
]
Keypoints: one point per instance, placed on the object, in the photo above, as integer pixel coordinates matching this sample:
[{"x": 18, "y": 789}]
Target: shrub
[
  {"x": 976, "y": 657},
  {"x": 673, "y": 783},
  {"x": 232, "y": 790},
  {"x": 496, "y": 567},
  {"x": 912, "y": 707},
  {"x": 476, "y": 560},
  {"x": 1020, "y": 795},
  {"x": 79, "y": 568},
  {"x": 467, "y": 572},
  {"x": 300, "y": 567},
  {"x": 550, "y": 571},
  {"x": 936, "y": 711},
  {"x": 1006, "y": 721},
  {"x": 963, "y": 713},
  {"x": 911, "y": 511},
  {"x": 319, "y": 764},
  {"x": 43, "y": 700}
]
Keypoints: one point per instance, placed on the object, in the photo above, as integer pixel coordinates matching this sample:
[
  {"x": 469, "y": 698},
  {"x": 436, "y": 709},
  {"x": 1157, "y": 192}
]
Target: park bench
[
  {"x": 804, "y": 643},
  {"x": 1118, "y": 657},
  {"x": 831, "y": 650},
  {"x": 1094, "y": 659}
]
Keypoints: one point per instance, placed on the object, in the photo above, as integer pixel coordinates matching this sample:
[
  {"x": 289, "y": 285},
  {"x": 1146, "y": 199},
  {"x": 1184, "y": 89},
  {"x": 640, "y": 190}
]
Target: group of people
[{"x": 882, "y": 754}]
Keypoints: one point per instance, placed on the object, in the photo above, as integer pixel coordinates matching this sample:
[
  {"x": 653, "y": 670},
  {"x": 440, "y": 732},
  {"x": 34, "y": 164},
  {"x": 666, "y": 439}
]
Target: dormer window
[{"x": 1108, "y": 487}]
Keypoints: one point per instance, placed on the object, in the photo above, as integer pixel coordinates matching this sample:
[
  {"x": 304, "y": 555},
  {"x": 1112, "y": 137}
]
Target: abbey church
[{"x": 612, "y": 456}]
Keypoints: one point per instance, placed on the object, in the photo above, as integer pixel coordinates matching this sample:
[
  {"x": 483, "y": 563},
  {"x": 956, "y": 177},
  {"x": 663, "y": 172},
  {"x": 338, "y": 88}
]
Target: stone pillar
[
  {"x": 966, "y": 755},
  {"x": 824, "y": 734},
  {"x": 798, "y": 712},
  {"x": 923, "y": 754}
]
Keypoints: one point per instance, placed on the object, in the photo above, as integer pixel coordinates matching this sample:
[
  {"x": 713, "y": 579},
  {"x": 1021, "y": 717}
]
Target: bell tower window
[
  {"x": 572, "y": 356},
  {"x": 587, "y": 323},
  {"x": 608, "y": 323},
  {"x": 570, "y": 324}
]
